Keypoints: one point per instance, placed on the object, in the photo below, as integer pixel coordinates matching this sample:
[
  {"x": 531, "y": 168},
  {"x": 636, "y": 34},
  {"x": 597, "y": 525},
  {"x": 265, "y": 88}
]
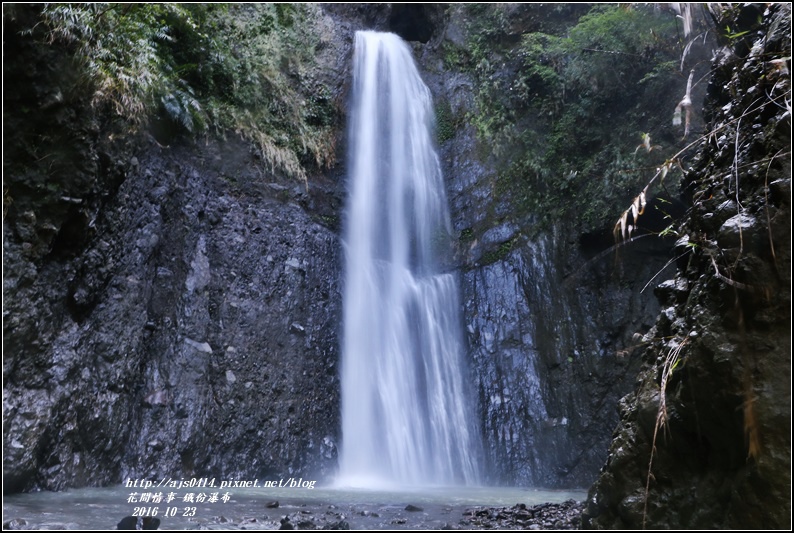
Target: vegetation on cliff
[
  {"x": 141, "y": 253},
  {"x": 705, "y": 438},
  {"x": 579, "y": 116},
  {"x": 200, "y": 69},
  {"x": 575, "y": 116}
]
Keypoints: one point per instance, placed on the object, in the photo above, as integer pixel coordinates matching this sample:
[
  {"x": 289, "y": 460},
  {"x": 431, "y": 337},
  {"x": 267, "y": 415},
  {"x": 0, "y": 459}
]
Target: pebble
[{"x": 566, "y": 515}]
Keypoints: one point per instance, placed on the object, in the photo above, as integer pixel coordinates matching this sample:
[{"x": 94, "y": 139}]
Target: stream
[{"x": 254, "y": 508}]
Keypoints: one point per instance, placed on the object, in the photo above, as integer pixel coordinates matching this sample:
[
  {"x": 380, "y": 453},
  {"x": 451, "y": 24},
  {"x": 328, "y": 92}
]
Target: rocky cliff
[
  {"x": 551, "y": 316},
  {"x": 550, "y": 312},
  {"x": 704, "y": 440},
  {"x": 170, "y": 306}
]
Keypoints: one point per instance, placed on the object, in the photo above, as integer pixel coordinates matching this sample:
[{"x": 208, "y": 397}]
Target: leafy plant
[
  {"x": 565, "y": 108},
  {"x": 732, "y": 35},
  {"x": 117, "y": 44},
  {"x": 499, "y": 253},
  {"x": 246, "y": 68},
  {"x": 445, "y": 122}
]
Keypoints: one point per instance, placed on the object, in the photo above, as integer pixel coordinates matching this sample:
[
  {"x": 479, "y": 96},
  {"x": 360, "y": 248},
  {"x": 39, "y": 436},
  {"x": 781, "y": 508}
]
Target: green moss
[
  {"x": 466, "y": 235},
  {"x": 455, "y": 58},
  {"x": 446, "y": 125},
  {"x": 329, "y": 221},
  {"x": 499, "y": 253}
]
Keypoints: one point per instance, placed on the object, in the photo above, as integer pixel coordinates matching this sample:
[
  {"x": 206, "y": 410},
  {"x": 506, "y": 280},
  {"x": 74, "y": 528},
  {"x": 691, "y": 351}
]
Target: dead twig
[{"x": 670, "y": 364}]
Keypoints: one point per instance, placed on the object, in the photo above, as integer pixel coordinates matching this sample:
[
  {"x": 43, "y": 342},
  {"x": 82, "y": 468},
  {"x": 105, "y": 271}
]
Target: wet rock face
[
  {"x": 198, "y": 327},
  {"x": 548, "y": 324},
  {"x": 167, "y": 310},
  {"x": 720, "y": 352},
  {"x": 552, "y": 354}
]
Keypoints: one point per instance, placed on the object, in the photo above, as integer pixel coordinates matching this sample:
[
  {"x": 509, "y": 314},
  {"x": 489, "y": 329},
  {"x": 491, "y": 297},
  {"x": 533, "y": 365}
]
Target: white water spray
[{"x": 405, "y": 417}]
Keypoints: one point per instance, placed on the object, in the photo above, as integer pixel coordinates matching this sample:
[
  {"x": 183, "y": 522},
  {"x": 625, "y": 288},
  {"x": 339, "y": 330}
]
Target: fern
[
  {"x": 247, "y": 68},
  {"x": 183, "y": 108}
]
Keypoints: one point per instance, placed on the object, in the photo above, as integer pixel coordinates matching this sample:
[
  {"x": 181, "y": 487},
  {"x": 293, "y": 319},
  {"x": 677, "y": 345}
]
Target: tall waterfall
[{"x": 405, "y": 416}]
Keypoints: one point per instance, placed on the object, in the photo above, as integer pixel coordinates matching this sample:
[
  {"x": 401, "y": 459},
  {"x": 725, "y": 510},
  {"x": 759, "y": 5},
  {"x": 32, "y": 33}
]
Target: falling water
[{"x": 405, "y": 418}]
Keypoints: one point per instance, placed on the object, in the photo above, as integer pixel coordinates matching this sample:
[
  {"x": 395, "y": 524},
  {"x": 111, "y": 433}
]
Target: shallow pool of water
[{"x": 102, "y": 508}]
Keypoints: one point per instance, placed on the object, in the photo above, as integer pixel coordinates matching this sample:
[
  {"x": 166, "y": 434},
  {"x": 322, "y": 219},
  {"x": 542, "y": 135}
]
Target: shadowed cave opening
[{"x": 414, "y": 22}]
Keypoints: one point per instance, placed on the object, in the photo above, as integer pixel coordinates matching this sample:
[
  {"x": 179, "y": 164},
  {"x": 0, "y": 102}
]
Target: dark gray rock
[
  {"x": 15, "y": 523},
  {"x": 550, "y": 355},
  {"x": 145, "y": 331},
  {"x": 564, "y": 515},
  {"x": 737, "y": 230},
  {"x": 722, "y": 459},
  {"x": 549, "y": 332},
  {"x": 177, "y": 325},
  {"x": 341, "y": 525}
]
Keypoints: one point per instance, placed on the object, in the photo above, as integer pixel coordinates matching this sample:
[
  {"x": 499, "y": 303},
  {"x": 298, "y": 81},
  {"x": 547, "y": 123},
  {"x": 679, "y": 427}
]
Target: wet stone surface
[
  {"x": 564, "y": 515},
  {"x": 544, "y": 516},
  {"x": 457, "y": 508}
]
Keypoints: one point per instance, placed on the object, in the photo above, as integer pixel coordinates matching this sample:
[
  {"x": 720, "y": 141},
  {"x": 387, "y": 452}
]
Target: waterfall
[{"x": 405, "y": 416}]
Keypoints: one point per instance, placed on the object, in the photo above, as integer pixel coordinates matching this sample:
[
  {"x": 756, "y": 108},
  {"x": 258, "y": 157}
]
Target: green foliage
[
  {"x": 248, "y": 68},
  {"x": 564, "y": 112},
  {"x": 118, "y": 45},
  {"x": 182, "y": 107},
  {"x": 542, "y": 58},
  {"x": 455, "y": 58},
  {"x": 662, "y": 72},
  {"x": 731, "y": 35},
  {"x": 612, "y": 45},
  {"x": 499, "y": 253},
  {"x": 446, "y": 124}
]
